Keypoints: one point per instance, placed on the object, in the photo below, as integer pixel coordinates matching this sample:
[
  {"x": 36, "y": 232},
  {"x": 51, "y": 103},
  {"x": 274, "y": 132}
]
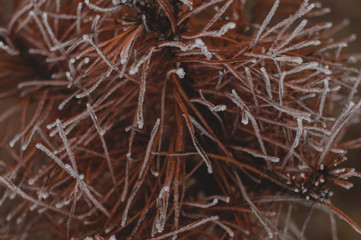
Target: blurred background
[{"x": 349, "y": 201}]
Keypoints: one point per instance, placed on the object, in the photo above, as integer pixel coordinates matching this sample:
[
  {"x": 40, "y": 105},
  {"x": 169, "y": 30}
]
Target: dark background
[{"x": 349, "y": 201}]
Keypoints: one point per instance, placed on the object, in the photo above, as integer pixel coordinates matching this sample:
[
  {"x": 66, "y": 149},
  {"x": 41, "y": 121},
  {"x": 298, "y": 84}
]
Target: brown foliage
[{"x": 164, "y": 119}]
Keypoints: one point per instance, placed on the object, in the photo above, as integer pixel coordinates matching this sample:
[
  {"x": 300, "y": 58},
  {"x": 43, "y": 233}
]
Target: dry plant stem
[{"x": 172, "y": 119}]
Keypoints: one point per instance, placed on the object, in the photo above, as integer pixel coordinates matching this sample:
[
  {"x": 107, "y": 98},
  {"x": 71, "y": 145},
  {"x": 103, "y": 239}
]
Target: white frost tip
[
  {"x": 32, "y": 207},
  {"x": 31, "y": 181},
  {"x": 327, "y": 71},
  {"x": 132, "y": 71},
  {"x": 226, "y": 27},
  {"x": 180, "y": 72},
  {"x": 69, "y": 77},
  {"x": 140, "y": 124},
  {"x": 43, "y": 195},
  {"x": 273, "y": 159},
  {"x": 199, "y": 42},
  {"x": 123, "y": 59},
  {"x": 219, "y": 108},
  {"x": 68, "y": 167},
  {"x": 244, "y": 119},
  {"x": 12, "y": 195},
  {"x": 188, "y": 3},
  {"x": 231, "y": 25},
  {"x": 86, "y": 37},
  {"x": 12, "y": 143}
]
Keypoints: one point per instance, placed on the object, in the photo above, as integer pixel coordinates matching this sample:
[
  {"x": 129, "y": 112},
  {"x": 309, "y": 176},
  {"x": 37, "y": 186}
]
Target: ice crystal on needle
[{"x": 171, "y": 119}]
